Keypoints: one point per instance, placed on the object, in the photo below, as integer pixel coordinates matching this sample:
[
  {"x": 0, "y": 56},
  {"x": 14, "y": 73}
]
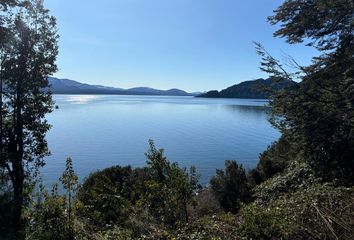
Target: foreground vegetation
[
  {"x": 164, "y": 201},
  {"x": 302, "y": 187}
]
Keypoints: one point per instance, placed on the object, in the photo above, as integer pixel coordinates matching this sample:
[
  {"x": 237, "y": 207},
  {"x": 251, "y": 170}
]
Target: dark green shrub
[
  {"x": 49, "y": 217},
  {"x": 272, "y": 161},
  {"x": 136, "y": 198},
  {"x": 231, "y": 186},
  {"x": 108, "y": 196}
]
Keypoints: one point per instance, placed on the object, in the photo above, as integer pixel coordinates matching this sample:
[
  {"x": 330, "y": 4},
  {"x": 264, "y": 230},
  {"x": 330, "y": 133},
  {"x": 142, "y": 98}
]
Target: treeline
[{"x": 302, "y": 187}]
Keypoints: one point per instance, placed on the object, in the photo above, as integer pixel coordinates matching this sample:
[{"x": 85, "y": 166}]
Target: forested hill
[
  {"x": 67, "y": 86},
  {"x": 256, "y": 89}
]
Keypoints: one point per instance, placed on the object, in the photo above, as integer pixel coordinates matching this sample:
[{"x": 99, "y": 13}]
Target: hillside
[
  {"x": 67, "y": 86},
  {"x": 256, "y": 89}
]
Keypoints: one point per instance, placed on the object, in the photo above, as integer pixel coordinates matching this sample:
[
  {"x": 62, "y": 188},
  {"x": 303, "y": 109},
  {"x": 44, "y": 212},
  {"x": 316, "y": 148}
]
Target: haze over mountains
[{"x": 67, "y": 86}]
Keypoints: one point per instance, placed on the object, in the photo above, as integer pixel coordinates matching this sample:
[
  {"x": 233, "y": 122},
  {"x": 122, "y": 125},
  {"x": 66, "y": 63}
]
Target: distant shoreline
[
  {"x": 151, "y": 95},
  {"x": 118, "y": 94}
]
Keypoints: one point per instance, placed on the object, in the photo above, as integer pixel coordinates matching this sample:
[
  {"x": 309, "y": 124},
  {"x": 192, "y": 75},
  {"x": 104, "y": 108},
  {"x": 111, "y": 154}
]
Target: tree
[
  {"x": 170, "y": 188},
  {"x": 30, "y": 59},
  {"x": 108, "y": 195},
  {"x": 318, "y": 113},
  {"x": 69, "y": 180},
  {"x": 231, "y": 186},
  {"x": 137, "y": 199}
]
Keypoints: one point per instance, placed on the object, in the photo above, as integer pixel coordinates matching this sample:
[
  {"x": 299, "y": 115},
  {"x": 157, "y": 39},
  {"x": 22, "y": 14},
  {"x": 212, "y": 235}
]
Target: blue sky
[{"x": 195, "y": 45}]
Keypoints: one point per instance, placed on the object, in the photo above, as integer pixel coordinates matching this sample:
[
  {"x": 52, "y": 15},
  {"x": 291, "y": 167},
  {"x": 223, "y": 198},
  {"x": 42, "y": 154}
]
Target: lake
[{"x": 100, "y": 131}]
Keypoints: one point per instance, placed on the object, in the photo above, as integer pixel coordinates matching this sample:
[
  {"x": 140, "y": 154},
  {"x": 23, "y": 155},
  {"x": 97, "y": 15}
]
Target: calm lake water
[{"x": 99, "y": 131}]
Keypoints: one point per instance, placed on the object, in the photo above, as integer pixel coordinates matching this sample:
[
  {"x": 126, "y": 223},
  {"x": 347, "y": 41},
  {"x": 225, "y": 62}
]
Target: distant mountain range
[
  {"x": 249, "y": 89},
  {"x": 255, "y": 89},
  {"x": 67, "y": 86}
]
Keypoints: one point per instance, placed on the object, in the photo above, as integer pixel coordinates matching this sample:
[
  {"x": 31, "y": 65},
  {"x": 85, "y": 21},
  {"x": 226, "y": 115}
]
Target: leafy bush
[
  {"x": 53, "y": 216},
  {"x": 272, "y": 161},
  {"x": 297, "y": 176},
  {"x": 108, "y": 196},
  {"x": 136, "y": 199},
  {"x": 49, "y": 219},
  {"x": 231, "y": 186}
]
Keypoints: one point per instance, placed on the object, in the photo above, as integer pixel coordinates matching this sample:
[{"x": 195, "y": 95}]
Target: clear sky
[{"x": 195, "y": 45}]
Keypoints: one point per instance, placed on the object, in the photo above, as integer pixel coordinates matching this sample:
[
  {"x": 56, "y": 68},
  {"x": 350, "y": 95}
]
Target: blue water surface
[{"x": 100, "y": 131}]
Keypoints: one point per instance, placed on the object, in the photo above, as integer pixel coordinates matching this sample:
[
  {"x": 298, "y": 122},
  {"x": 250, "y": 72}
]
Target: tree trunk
[
  {"x": 71, "y": 232},
  {"x": 18, "y": 195},
  {"x": 17, "y": 160}
]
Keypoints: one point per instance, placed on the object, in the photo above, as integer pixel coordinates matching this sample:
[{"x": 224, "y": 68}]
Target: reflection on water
[
  {"x": 257, "y": 111},
  {"x": 81, "y": 99},
  {"x": 100, "y": 131}
]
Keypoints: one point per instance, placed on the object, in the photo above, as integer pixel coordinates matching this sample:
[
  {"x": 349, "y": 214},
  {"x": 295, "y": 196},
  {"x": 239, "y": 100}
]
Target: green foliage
[
  {"x": 326, "y": 24},
  {"x": 297, "y": 176},
  {"x": 107, "y": 196},
  {"x": 114, "y": 197},
  {"x": 317, "y": 113},
  {"x": 319, "y": 211},
  {"x": 69, "y": 181},
  {"x": 316, "y": 116},
  {"x": 28, "y": 50},
  {"x": 231, "y": 186},
  {"x": 138, "y": 199},
  {"x": 272, "y": 161},
  {"x": 170, "y": 188},
  {"x": 53, "y": 215},
  {"x": 69, "y": 178},
  {"x": 50, "y": 217}
]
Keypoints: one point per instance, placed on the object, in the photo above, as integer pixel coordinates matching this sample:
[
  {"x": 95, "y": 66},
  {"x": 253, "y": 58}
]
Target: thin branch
[
  {"x": 326, "y": 222},
  {"x": 297, "y": 65}
]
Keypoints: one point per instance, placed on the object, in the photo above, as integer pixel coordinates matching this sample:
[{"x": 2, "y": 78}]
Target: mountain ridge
[
  {"x": 254, "y": 89},
  {"x": 68, "y": 86}
]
